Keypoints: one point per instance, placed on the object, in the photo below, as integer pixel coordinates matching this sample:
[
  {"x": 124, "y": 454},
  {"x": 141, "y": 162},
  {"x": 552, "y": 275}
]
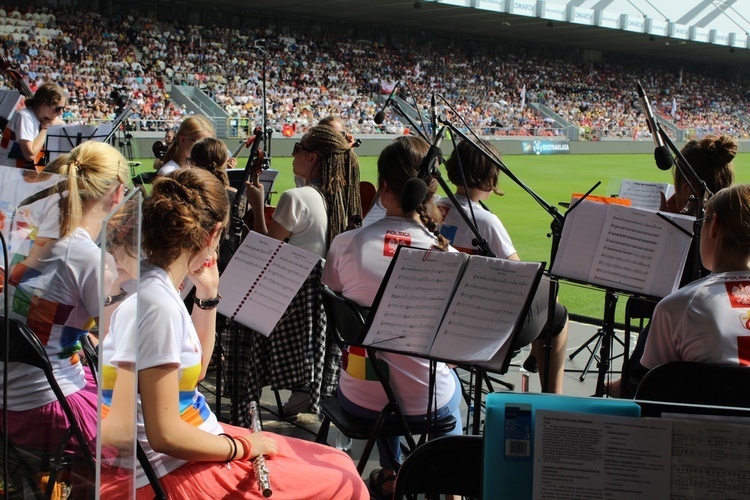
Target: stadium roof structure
[{"x": 710, "y": 32}]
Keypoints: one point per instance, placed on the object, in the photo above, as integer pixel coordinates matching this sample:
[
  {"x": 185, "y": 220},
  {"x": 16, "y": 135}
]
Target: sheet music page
[
  {"x": 414, "y": 299},
  {"x": 585, "y": 455},
  {"x": 637, "y": 250},
  {"x": 581, "y": 232},
  {"x": 261, "y": 280},
  {"x": 485, "y": 309},
  {"x": 644, "y": 194},
  {"x": 710, "y": 460},
  {"x": 673, "y": 254}
]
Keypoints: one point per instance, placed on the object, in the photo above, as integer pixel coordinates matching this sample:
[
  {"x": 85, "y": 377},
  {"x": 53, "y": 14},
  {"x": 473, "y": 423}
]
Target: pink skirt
[
  {"x": 301, "y": 470},
  {"x": 42, "y": 428}
]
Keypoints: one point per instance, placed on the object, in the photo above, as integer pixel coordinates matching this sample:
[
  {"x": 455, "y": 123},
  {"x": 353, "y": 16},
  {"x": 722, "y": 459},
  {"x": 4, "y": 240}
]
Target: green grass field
[{"x": 553, "y": 178}]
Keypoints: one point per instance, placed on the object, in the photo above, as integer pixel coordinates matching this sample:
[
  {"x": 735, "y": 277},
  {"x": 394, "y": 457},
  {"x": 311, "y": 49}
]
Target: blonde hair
[
  {"x": 93, "y": 170},
  {"x": 190, "y": 126},
  {"x": 731, "y": 207}
]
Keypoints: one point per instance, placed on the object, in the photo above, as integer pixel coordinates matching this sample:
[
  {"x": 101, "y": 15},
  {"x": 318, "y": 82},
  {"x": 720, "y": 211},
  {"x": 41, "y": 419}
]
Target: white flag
[
  {"x": 523, "y": 96},
  {"x": 674, "y": 107}
]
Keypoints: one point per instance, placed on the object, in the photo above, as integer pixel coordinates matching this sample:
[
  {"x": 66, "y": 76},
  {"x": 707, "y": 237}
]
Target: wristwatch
[{"x": 207, "y": 304}]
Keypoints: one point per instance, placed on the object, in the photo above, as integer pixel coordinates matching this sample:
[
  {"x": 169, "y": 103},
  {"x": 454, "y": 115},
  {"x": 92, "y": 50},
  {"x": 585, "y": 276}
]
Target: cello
[{"x": 21, "y": 86}]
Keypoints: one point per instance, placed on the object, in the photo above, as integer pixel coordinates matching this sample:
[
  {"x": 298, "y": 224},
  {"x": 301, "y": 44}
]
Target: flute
[{"x": 259, "y": 462}]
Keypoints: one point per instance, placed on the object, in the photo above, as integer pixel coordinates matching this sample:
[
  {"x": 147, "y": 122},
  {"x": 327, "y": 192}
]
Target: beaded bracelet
[
  {"x": 234, "y": 444},
  {"x": 248, "y": 447}
]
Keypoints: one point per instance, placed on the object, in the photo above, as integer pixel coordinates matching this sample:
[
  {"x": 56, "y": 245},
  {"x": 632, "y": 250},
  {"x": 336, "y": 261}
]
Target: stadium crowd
[{"x": 108, "y": 63}]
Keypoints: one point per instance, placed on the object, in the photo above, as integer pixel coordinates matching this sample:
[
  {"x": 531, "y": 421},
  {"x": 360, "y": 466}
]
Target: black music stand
[{"x": 622, "y": 258}]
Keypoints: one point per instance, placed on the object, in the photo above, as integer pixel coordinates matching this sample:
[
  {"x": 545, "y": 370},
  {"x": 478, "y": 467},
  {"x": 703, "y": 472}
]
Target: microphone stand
[
  {"x": 264, "y": 120},
  {"x": 701, "y": 197}
]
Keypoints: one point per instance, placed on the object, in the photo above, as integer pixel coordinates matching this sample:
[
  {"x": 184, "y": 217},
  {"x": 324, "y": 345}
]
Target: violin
[{"x": 256, "y": 164}]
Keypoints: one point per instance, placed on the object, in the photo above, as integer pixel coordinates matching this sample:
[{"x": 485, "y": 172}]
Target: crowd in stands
[{"x": 108, "y": 63}]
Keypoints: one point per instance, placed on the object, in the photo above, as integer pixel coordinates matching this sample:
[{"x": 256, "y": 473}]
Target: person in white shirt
[
  {"x": 24, "y": 137},
  {"x": 309, "y": 217},
  {"x": 355, "y": 266},
  {"x": 708, "y": 321},
  {"x": 477, "y": 182}
]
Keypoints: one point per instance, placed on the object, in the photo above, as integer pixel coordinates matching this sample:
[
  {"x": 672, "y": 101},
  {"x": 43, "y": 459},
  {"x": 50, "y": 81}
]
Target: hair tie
[{"x": 76, "y": 164}]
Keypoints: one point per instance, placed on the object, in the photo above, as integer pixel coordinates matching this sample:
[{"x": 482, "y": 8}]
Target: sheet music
[
  {"x": 261, "y": 280},
  {"x": 585, "y": 455},
  {"x": 644, "y": 194},
  {"x": 414, "y": 299},
  {"x": 581, "y": 231},
  {"x": 624, "y": 248},
  {"x": 710, "y": 460},
  {"x": 9, "y": 101},
  {"x": 485, "y": 308}
]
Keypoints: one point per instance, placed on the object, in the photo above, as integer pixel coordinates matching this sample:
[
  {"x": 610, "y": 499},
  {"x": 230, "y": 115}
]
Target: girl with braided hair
[
  {"x": 356, "y": 264},
  {"x": 309, "y": 217},
  {"x": 194, "y": 455},
  {"x": 55, "y": 291},
  {"x": 312, "y": 215}
]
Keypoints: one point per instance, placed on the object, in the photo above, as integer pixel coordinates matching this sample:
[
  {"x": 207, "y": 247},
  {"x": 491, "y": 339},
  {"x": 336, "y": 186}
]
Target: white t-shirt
[
  {"x": 302, "y": 211},
  {"x": 165, "y": 334},
  {"x": 168, "y": 168},
  {"x": 455, "y": 229},
  {"x": 57, "y": 298},
  {"x": 706, "y": 321},
  {"x": 23, "y": 126},
  {"x": 36, "y": 219},
  {"x": 356, "y": 264}
]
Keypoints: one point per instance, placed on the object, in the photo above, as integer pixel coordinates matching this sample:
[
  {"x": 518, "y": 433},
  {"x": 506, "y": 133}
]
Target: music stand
[
  {"x": 9, "y": 102},
  {"x": 62, "y": 139},
  {"x": 621, "y": 250}
]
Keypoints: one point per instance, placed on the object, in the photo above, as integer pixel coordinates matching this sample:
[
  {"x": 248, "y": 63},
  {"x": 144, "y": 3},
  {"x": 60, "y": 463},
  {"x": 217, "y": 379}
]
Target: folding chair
[
  {"x": 449, "y": 465},
  {"x": 346, "y": 323},
  {"x": 25, "y": 347},
  {"x": 697, "y": 383},
  {"x": 638, "y": 312},
  {"x": 92, "y": 355}
]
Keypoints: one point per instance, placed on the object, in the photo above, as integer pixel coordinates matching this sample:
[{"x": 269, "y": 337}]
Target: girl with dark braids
[
  {"x": 312, "y": 215},
  {"x": 356, "y": 264},
  {"x": 296, "y": 356}
]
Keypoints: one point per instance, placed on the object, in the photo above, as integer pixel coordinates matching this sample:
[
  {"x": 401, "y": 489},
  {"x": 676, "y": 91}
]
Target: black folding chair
[
  {"x": 449, "y": 465},
  {"x": 92, "y": 355},
  {"x": 697, "y": 383},
  {"x": 25, "y": 347}
]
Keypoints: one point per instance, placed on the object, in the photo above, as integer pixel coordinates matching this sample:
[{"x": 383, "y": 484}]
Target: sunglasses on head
[{"x": 298, "y": 146}]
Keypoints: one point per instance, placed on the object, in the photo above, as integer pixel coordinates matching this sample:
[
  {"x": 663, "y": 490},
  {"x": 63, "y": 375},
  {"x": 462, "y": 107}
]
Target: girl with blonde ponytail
[{"x": 55, "y": 291}]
